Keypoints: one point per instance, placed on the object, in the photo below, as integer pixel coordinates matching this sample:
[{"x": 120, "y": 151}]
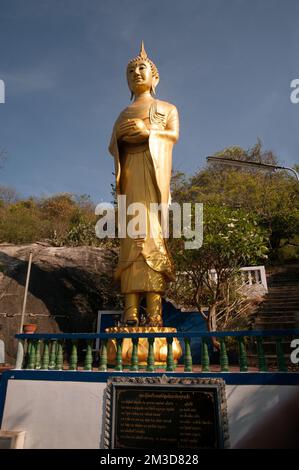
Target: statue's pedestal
[{"x": 160, "y": 345}]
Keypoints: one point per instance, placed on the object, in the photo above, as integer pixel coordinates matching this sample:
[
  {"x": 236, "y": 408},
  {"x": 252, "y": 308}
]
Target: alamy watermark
[
  {"x": 139, "y": 221},
  {"x": 2, "y": 92},
  {"x": 295, "y": 353},
  {"x": 294, "y": 96}
]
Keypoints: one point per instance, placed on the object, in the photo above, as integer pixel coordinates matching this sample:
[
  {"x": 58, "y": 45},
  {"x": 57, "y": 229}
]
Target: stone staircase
[{"x": 280, "y": 308}]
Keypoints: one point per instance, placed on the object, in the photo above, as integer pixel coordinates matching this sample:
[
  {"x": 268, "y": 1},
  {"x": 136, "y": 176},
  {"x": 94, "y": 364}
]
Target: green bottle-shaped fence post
[
  {"x": 32, "y": 355},
  {"x": 103, "y": 356},
  {"x": 27, "y": 354},
  {"x": 88, "y": 356},
  {"x": 134, "y": 359},
  {"x": 169, "y": 360},
  {"x": 242, "y": 354},
  {"x": 46, "y": 356},
  {"x": 224, "y": 365},
  {"x": 280, "y": 356},
  {"x": 151, "y": 357},
  {"x": 74, "y": 356},
  {"x": 119, "y": 359},
  {"x": 59, "y": 356},
  {"x": 261, "y": 355},
  {"x": 188, "y": 356},
  {"x": 205, "y": 360},
  {"x": 38, "y": 354},
  {"x": 53, "y": 354}
]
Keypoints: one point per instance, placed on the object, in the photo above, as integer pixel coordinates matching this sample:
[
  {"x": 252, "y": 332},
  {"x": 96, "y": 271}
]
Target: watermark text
[
  {"x": 140, "y": 221},
  {"x": 294, "y": 96},
  {"x": 295, "y": 353},
  {"x": 2, "y": 92}
]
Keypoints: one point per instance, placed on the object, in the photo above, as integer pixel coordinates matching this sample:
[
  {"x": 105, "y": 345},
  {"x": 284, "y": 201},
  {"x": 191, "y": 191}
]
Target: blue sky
[{"x": 226, "y": 64}]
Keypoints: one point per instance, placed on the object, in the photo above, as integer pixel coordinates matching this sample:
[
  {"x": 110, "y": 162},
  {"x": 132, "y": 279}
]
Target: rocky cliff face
[{"x": 67, "y": 288}]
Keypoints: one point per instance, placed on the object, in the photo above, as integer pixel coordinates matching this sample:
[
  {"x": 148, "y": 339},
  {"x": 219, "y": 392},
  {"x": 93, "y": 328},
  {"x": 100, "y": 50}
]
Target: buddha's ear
[{"x": 154, "y": 85}]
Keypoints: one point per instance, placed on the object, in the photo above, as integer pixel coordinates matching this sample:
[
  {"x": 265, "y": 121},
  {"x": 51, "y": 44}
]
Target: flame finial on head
[
  {"x": 143, "y": 56},
  {"x": 142, "y": 52}
]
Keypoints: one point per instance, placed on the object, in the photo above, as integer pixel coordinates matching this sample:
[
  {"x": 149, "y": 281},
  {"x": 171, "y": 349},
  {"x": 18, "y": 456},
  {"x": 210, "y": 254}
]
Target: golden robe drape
[{"x": 143, "y": 173}]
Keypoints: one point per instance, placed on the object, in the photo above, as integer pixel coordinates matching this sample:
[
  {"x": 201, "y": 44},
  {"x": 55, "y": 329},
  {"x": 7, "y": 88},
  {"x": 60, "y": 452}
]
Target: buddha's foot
[
  {"x": 131, "y": 319},
  {"x": 154, "y": 320}
]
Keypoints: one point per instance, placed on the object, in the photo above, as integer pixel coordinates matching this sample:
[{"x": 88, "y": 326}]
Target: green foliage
[
  {"x": 21, "y": 223},
  {"x": 62, "y": 219},
  {"x": 209, "y": 276},
  {"x": 7, "y": 196},
  {"x": 81, "y": 233},
  {"x": 248, "y": 214},
  {"x": 232, "y": 238},
  {"x": 271, "y": 197}
]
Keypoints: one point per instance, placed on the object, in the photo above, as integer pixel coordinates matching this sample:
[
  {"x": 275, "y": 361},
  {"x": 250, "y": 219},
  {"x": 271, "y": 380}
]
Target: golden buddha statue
[{"x": 141, "y": 144}]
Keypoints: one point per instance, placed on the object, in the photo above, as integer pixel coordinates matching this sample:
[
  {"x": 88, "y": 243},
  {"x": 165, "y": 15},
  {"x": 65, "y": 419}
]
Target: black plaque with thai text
[{"x": 166, "y": 417}]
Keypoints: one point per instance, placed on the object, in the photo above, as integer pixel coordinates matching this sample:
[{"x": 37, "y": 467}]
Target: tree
[
  {"x": 8, "y": 195},
  {"x": 21, "y": 222},
  {"x": 272, "y": 197},
  {"x": 209, "y": 276},
  {"x": 61, "y": 219},
  {"x": 64, "y": 211}
]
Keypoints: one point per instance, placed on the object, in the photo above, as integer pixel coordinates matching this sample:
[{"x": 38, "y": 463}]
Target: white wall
[
  {"x": 69, "y": 415},
  {"x": 55, "y": 415}
]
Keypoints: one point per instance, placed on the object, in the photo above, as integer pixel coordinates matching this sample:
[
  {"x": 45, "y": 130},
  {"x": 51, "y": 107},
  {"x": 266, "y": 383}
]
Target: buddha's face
[{"x": 140, "y": 77}]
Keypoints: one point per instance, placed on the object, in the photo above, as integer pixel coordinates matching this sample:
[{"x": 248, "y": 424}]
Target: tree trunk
[{"x": 212, "y": 325}]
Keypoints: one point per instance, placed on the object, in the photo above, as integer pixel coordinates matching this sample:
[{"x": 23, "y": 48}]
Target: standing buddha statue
[{"x": 141, "y": 144}]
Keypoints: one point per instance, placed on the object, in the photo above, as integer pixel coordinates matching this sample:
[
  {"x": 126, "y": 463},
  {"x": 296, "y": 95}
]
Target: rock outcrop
[{"x": 68, "y": 285}]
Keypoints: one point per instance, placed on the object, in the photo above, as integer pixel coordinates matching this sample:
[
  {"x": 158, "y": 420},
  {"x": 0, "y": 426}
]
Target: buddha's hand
[
  {"x": 132, "y": 130},
  {"x": 140, "y": 242}
]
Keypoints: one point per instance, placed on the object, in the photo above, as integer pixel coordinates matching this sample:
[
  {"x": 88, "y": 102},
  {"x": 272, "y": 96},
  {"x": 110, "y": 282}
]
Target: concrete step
[
  {"x": 283, "y": 282},
  {"x": 283, "y": 300},
  {"x": 285, "y": 344},
  {"x": 282, "y": 325},
  {"x": 280, "y": 303},
  {"x": 288, "y": 303},
  {"x": 271, "y": 360},
  {"x": 279, "y": 296},
  {"x": 294, "y": 275},
  {"x": 287, "y": 294},
  {"x": 280, "y": 313},
  {"x": 274, "y": 324},
  {"x": 283, "y": 277},
  {"x": 283, "y": 286},
  {"x": 280, "y": 306},
  {"x": 280, "y": 319},
  {"x": 277, "y": 310}
]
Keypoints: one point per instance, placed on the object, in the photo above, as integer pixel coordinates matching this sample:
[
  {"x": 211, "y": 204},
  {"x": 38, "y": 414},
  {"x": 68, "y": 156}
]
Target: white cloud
[{"x": 29, "y": 81}]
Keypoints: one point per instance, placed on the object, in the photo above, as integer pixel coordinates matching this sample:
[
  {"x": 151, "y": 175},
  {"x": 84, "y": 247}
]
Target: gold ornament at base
[{"x": 160, "y": 345}]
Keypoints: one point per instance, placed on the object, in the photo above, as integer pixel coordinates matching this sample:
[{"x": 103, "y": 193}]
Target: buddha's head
[{"x": 142, "y": 74}]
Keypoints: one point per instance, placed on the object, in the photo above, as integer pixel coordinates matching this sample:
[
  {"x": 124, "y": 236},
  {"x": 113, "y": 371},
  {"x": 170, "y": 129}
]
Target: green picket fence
[{"x": 75, "y": 351}]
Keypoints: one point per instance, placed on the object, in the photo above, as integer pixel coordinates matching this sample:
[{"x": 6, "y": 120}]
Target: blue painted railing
[{"x": 75, "y": 351}]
